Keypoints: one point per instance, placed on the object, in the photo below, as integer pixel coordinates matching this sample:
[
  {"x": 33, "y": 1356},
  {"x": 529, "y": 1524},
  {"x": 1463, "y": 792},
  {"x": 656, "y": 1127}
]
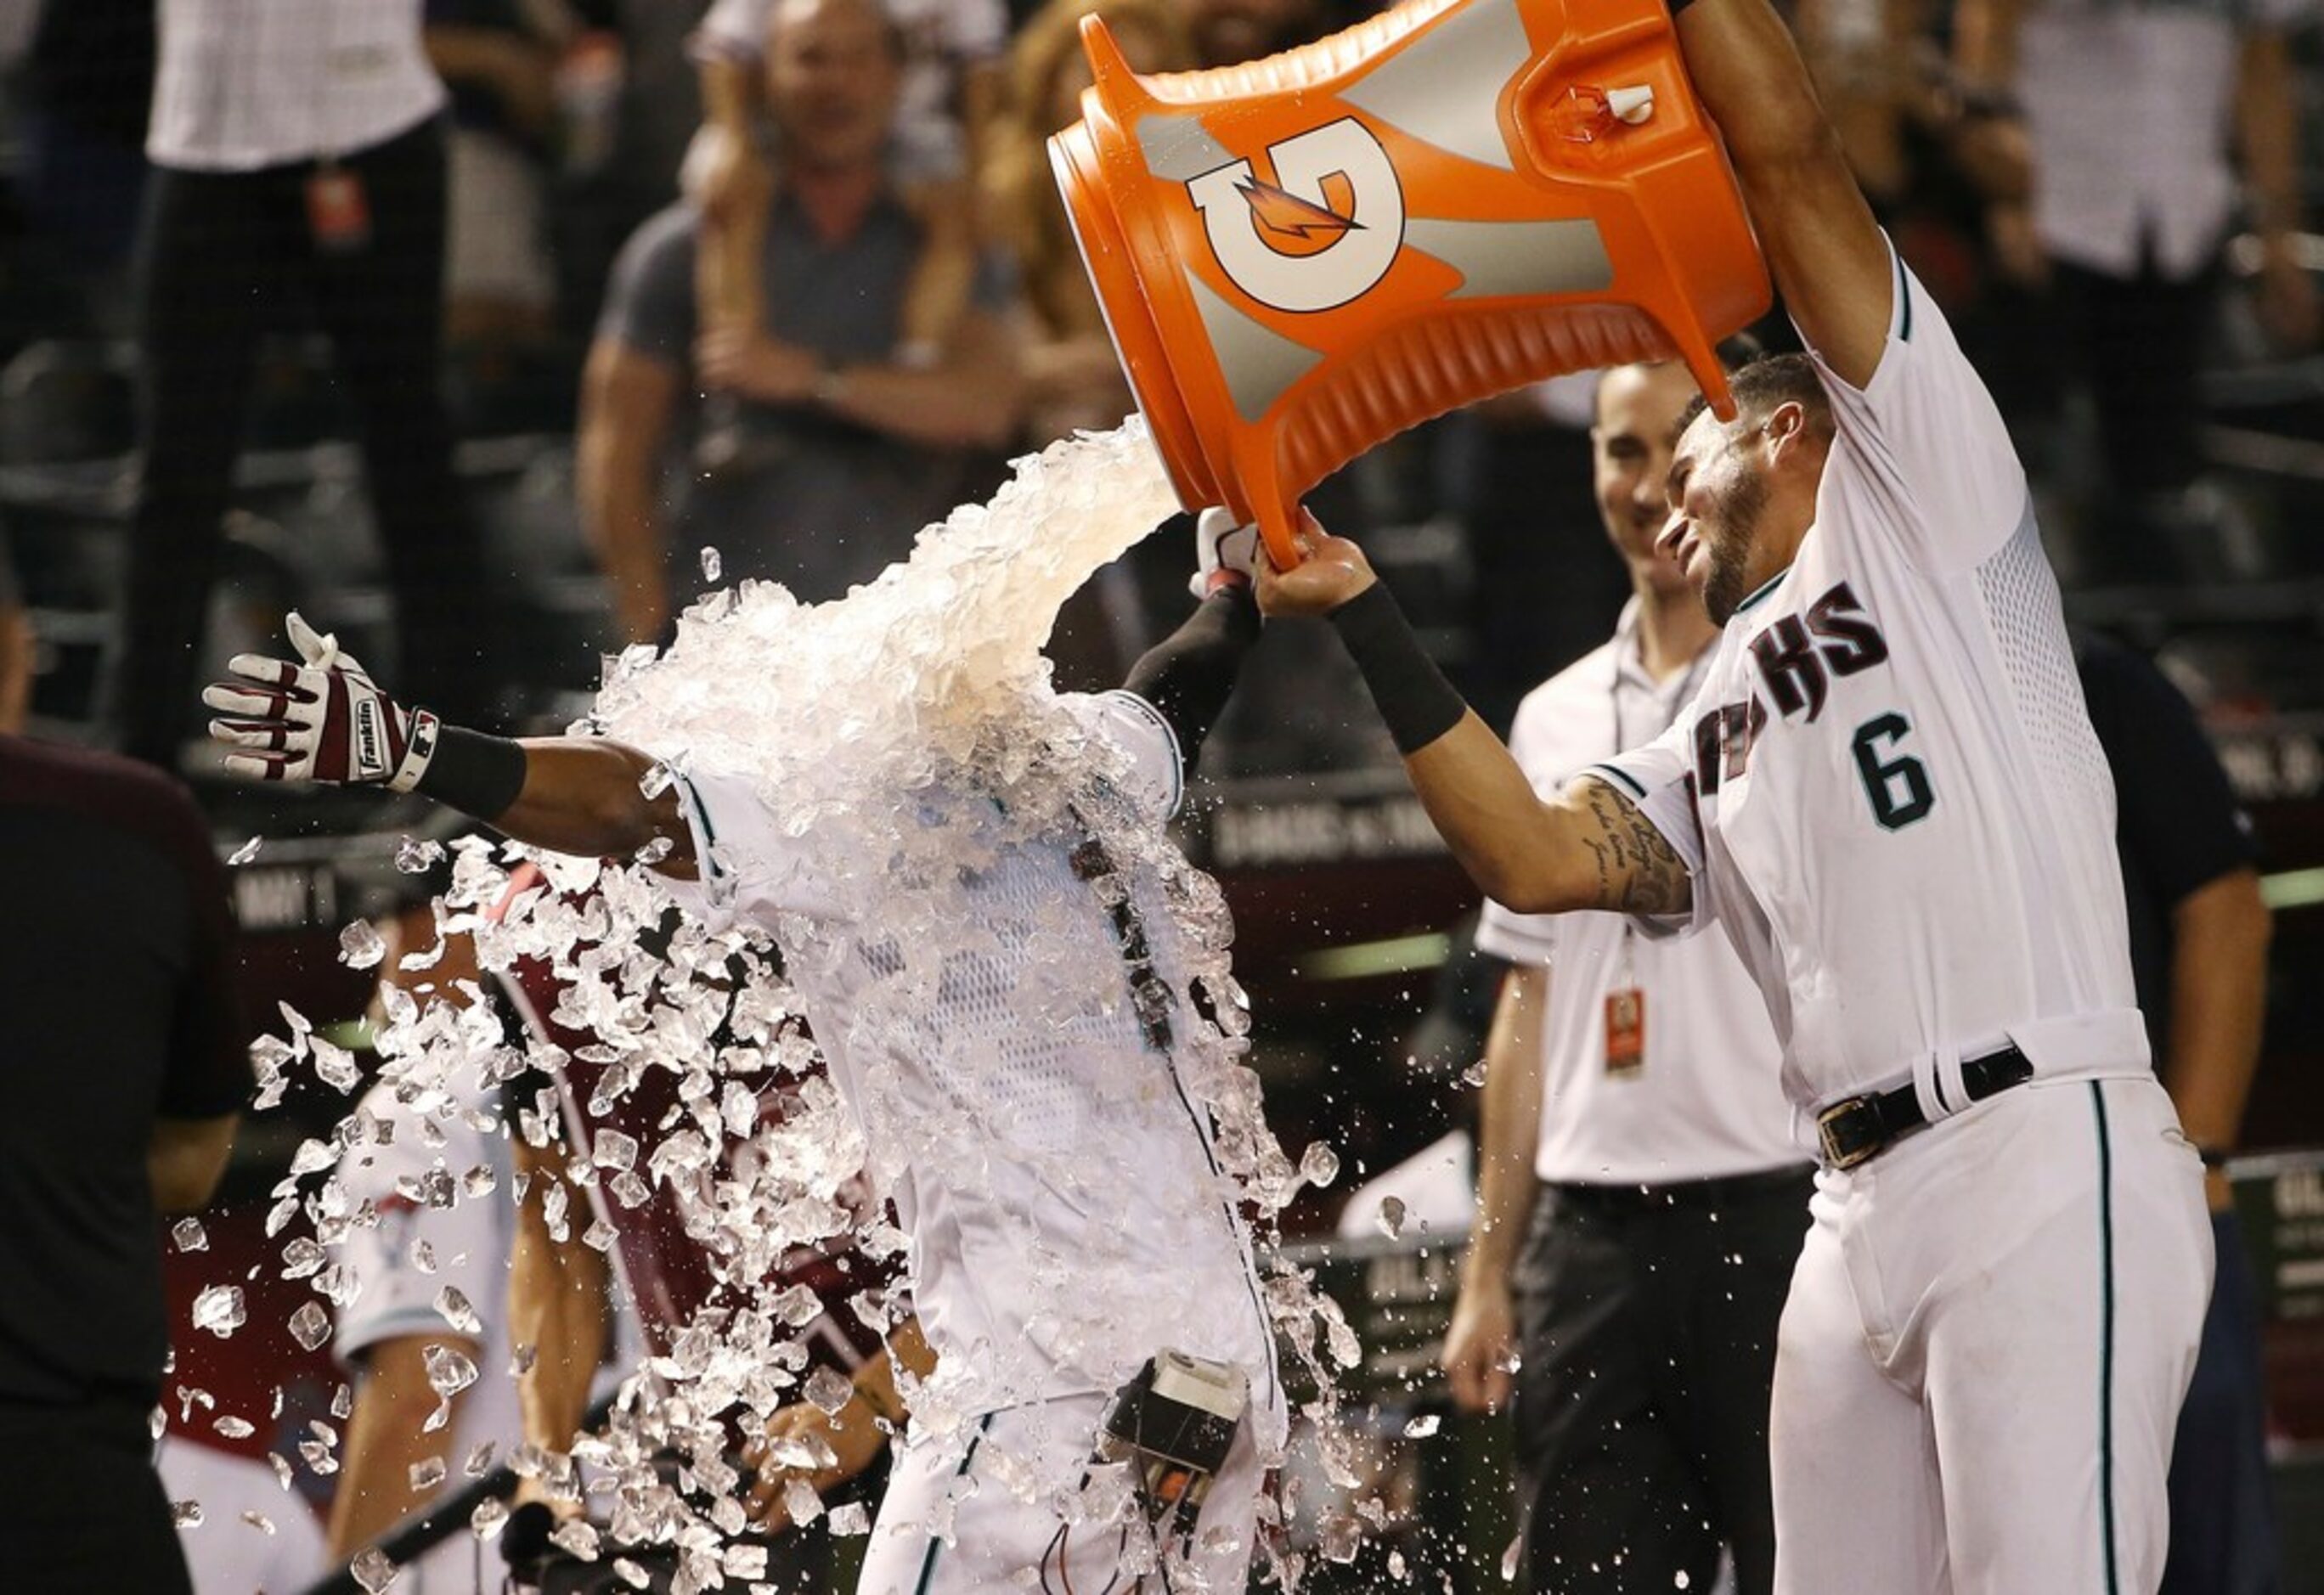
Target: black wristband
[
  {"x": 476, "y": 774},
  {"x": 1414, "y": 699}
]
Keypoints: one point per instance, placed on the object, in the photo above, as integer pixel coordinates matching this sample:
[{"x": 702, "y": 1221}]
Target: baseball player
[
  {"x": 1888, "y": 793},
  {"x": 1054, "y": 1301},
  {"x": 1643, "y": 1194}
]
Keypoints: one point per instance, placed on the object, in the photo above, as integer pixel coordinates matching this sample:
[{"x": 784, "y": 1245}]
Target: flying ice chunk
[
  {"x": 850, "y": 1519},
  {"x": 711, "y": 565},
  {"x": 829, "y": 1390},
  {"x": 614, "y": 1151},
  {"x": 186, "y": 1514},
  {"x": 456, "y": 1311},
  {"x": 361, "y": 945},
  {"x": 1319, "y": 1166},
  {"x": 1391, "y": 1216},
  {"x": 414, "y": 856},
  {"x": 449, "y": 1372},
  {"x": 488, "y": 1519},
  {"x": 373, "y": 1570},
  {"x": 233, "y": 1428},
  {"x": 259, "y": 1521},
  {"x": 426, "y": 1474},
  {"x": 336, "y": 1066},
  {"x": 311, "y": 1326},
  {"x": 246, "y": 851},
  {"x": 219, "y": 1309},
  {"x": 188, "y": 1235},
  {"x": 1423, "y": 1426},
  {"x": 577, "y": 1537}
]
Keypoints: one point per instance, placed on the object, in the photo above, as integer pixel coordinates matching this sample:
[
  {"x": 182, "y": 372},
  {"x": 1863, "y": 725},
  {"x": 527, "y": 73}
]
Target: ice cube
[
  {"x": 489, "y": 1518},
  {"x": 233, "y": 1428},
  {"x": 361, "y": 945},
  {"x": 449, "y": 1372},
  {"x": 1319, "y": 1166},
  {"x": 1423, "y": 1426},
  {"x": 456, "y": 1311},
  {"x": 849, "y": 1520},
  {"x": 1391, "y": 1216},
  {"x": 311, "y": 1326},
  {"x": 373, "y": 1570},
  {"x": 186, "y": 1513},
  {"x": 218, "y": 1308},
  {"x": 414, "y": 856},
  {"x": 426, "y": 1474},
  {"x": 246, "y": 852},
  {"x": 710, "y": 564},
  {"x": 828, "y": 1389},
  {"x": 189, "y": 1236},
  {"x": 259, "y": 1521}
]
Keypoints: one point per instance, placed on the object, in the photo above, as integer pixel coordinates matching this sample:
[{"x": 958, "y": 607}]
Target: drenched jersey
[
  {"x": 1888, "y": 791},
  {"x": 1025, "y": 1111}
]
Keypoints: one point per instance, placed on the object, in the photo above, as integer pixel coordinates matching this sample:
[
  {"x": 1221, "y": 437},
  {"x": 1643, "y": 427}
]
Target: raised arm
[
  {"x": 1826, "y": 252},
  {"x": 1589, "y": 847},
  {"x": 325, "y": 720}
]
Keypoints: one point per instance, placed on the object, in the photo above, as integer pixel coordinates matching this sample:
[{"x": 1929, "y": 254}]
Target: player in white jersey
[
  {"x": 1643, "y": 1187},
  {"x": 1888, "y": 794},
  {"x": 1030, "y": 1115}
]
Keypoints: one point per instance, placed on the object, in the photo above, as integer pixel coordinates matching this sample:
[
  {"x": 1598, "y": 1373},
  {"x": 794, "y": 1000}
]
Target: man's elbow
[{"x": 1535, "y": 886}]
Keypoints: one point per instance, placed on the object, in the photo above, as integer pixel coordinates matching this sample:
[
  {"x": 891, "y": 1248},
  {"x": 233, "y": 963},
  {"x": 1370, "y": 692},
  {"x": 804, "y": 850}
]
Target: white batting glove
[
  {"x": 322, "y": 720},
  {"x": 1224, "y": 550}
]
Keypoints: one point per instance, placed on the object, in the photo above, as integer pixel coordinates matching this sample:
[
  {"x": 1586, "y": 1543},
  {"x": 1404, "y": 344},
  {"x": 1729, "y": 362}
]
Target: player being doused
[{"x": 1017, "y": 984}]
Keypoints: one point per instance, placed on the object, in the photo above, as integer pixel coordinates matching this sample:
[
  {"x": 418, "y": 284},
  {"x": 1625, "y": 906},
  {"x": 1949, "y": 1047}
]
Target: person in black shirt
[
  {"x": 125, "y": 1067},
  {"x": 2199, "y": 936}
]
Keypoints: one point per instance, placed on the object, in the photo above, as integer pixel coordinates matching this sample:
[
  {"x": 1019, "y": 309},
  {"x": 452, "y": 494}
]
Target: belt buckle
[{"x": 1837, "y": 1153}]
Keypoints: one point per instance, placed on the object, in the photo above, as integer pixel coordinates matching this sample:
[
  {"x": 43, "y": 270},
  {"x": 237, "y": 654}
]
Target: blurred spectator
[
  {"x": 119, "y": 1020},
  {"x": 952, "y": 50},
  {"x": 1228, "y": 33},
  {"x": 90, "y": 86},
  {"x": 296, "y": 148},
  {"x": 499, "y": 60},
  {"x": 2143, "y": 118},
  {"x": 840, "y": 453},
  {"x": 2199, "y": 939},
  {"x": 1072, "y": 379}
]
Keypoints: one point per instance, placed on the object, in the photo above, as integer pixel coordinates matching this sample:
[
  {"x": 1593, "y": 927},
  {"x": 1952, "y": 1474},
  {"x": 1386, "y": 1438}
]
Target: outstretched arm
[
  {"x": 1589, "y": 847},
  {"x": 325, "y": 720},
  {"x": 1821, "y": 243}
]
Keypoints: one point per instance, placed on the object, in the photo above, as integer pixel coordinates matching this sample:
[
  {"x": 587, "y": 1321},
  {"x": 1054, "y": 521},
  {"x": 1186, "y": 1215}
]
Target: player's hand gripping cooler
[{"x": 1304, "y": 255}]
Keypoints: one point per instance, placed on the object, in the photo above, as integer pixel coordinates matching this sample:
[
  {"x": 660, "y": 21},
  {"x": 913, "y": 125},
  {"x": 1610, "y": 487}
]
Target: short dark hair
[{"x": 1770, "y": 382}]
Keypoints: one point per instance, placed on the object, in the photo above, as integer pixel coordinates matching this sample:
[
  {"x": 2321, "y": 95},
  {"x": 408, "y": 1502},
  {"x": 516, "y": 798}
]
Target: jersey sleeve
[
  {"x": 1658, "y": 780},
  {"x": 471, "y": 1252},
  {"x": 747, "y": 870},
  {"x": 1155, "y": 775},
  {"x": 1927, "y": 441}
]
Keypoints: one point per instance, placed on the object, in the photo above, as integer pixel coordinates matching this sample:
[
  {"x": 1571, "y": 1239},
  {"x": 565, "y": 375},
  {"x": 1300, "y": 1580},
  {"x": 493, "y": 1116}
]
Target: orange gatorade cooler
[{"x": 1303, "y": 255}]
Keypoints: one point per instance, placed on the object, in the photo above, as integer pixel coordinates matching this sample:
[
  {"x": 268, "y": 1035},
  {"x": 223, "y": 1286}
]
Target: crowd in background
[{"x": 602, "y": 296}]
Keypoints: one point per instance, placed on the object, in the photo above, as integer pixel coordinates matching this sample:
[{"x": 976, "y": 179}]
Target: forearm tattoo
[{"x": 1638, "y": 871}]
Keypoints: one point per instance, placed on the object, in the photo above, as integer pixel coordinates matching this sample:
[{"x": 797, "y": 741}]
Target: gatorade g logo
[{"x": 1323, "y": 234}]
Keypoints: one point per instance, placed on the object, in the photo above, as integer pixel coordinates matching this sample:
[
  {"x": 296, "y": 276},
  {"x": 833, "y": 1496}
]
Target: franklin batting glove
[
  {"x": 1225, "y": 551},
  {"x": 322, "y": 720}
]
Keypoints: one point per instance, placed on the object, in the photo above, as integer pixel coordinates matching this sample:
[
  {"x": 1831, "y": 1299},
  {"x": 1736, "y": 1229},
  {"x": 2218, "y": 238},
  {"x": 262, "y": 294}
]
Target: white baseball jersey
[
  {"x": 1705, "y": 1100},
  {"x": 1888, "y": 791},
  {"x": 248, "y": 84},
  {"x": 1050, "y": 1166},
  {"x": 255, "y": 1537}
]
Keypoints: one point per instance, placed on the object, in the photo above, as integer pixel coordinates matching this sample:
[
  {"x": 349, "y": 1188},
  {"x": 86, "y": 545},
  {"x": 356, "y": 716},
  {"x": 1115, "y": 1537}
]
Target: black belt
[{"x": 1861, "y": 1128}]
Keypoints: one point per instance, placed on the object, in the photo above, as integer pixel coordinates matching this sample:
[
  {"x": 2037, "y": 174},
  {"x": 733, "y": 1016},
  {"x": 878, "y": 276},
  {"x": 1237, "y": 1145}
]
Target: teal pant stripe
[
  {"x": 2105, "y": 1341},
  {"x": 936, "y": 1545}
]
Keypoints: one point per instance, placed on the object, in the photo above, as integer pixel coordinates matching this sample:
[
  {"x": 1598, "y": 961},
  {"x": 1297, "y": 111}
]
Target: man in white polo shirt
[
  {"x": 299, "y": 157},
  {"x": 1643, "y": 1194}
]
